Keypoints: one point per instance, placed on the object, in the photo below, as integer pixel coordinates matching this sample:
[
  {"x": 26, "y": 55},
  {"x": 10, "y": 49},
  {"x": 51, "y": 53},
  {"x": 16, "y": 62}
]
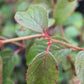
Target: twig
[
  {"x": 53, "y": 3},
  {"x": 40, "y": 35},
  {"x": 68, "y": 45},
  {"x": 62, "y": 31},
  {"x": 21, "y": 38},
  {"x": 15, "y": 43}
]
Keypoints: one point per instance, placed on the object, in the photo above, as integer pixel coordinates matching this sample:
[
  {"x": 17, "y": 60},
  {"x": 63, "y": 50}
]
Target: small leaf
[
  {"x": 35, "y": 18},
  {"x": 63, "y": 10},
  {"x": 42, "y": 70},
  {"x": 1, "y": 70},
  {"x": 59, "y": 51},
  {"x": 51, "y": 22},
  {"x": 79, "y": 66}
]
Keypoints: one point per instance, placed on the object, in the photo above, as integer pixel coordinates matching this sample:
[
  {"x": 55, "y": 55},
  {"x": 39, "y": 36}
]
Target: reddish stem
[
  {"x": 1, "y": 43},
  {"x": 47, "y": 38},
  {"x": 20, "y": 49}
]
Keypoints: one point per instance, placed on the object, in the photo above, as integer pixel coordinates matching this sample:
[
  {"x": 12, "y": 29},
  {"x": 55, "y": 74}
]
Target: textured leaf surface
[
  {"x": 6, "y": 55},
  {"x": 79, "y": 65},
  {"x": 42, "y": 71},
  {"x": 35, "y": 18},
  {"x": 9, "y": 62},
  {"x": 59, "y": 51},
  {"x": 8, "y": 68},
  {"x": 0, "y": 70},
  {"x": 23, "y": 32},
  {"x": 63, "y": 10}
]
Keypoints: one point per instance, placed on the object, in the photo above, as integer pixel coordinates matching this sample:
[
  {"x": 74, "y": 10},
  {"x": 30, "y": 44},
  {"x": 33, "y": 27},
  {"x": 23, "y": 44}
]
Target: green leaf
[
  {"x": 9, "y": 62},
  {"x": 76, "y": 19},
  {"x": 51, "y": 22},
  {"x": 22, "y": 6},
  {"x": 6, "y": 55},
  {"x": 8, "y": 68},
  {"x": 79, "y": 66},
  {"x": 8, "y": 81},
  {"x": 1, "y": 70},
  {"x": 20, "y": 31},
  {"x": 69, "y": 33},
  {"x": 59, "y": 51},
  {"x": 42, "y": 70},
  {"x": 46, "y": 2},
  {"x": 63, "y": 10},
  {"x": 8, "y": 30},
  {"x": 35, "y": 18},
  {"x": 71, "y": 0}
]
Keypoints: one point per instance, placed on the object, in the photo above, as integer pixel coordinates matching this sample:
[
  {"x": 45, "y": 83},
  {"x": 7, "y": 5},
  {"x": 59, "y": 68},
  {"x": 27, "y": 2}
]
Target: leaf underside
[
  {"x": 79, "y": 66},
  {"x": 35, "y": 18},
  {"x": 42, "y": 70}
]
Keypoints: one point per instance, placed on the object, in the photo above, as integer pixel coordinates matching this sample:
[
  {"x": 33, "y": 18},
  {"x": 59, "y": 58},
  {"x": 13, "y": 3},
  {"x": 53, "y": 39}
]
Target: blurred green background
[{"x": 73, "y": 29}]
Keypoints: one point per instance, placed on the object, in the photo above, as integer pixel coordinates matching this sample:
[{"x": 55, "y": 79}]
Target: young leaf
[
  {"x": 0, "y": 70},
  {"x": 51, "y": 22},
  {"x": 59, "y": 51},
  {"x": 79, "y": 66},
  {"x": 42, "y": 70},
  {"x": 35, "y": 18},
  {"x": 63, "y": 10}
]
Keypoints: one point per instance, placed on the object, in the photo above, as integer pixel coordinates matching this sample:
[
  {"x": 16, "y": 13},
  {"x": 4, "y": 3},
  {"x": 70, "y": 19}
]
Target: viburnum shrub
[{"x": 47, "y": 53}]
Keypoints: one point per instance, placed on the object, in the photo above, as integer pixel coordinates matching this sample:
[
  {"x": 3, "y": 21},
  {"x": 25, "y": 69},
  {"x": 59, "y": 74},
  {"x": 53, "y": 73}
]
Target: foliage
[{"x": 43, "y": 61}]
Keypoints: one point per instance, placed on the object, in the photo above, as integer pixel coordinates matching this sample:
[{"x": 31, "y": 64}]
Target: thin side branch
[
  {"x": 40, "y": 35},
  {"x": 15, "y": 43},
  {"x": 53, "y": 3},
  {"x": 68, "y": 45},
  {"x": 21, "y": 38},
  {"x": 62, "y": 31}
]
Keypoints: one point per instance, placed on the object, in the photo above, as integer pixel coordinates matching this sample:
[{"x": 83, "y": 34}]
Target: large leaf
[
  {"x": 63, "y": 10},
  {"x": 42, "y": 70},
  {"x": 0, "y": 70},
  {"x": 35, "y": 18},
  {"x": 59, "y": 51},
  {"x": 79, "y": 65}
]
